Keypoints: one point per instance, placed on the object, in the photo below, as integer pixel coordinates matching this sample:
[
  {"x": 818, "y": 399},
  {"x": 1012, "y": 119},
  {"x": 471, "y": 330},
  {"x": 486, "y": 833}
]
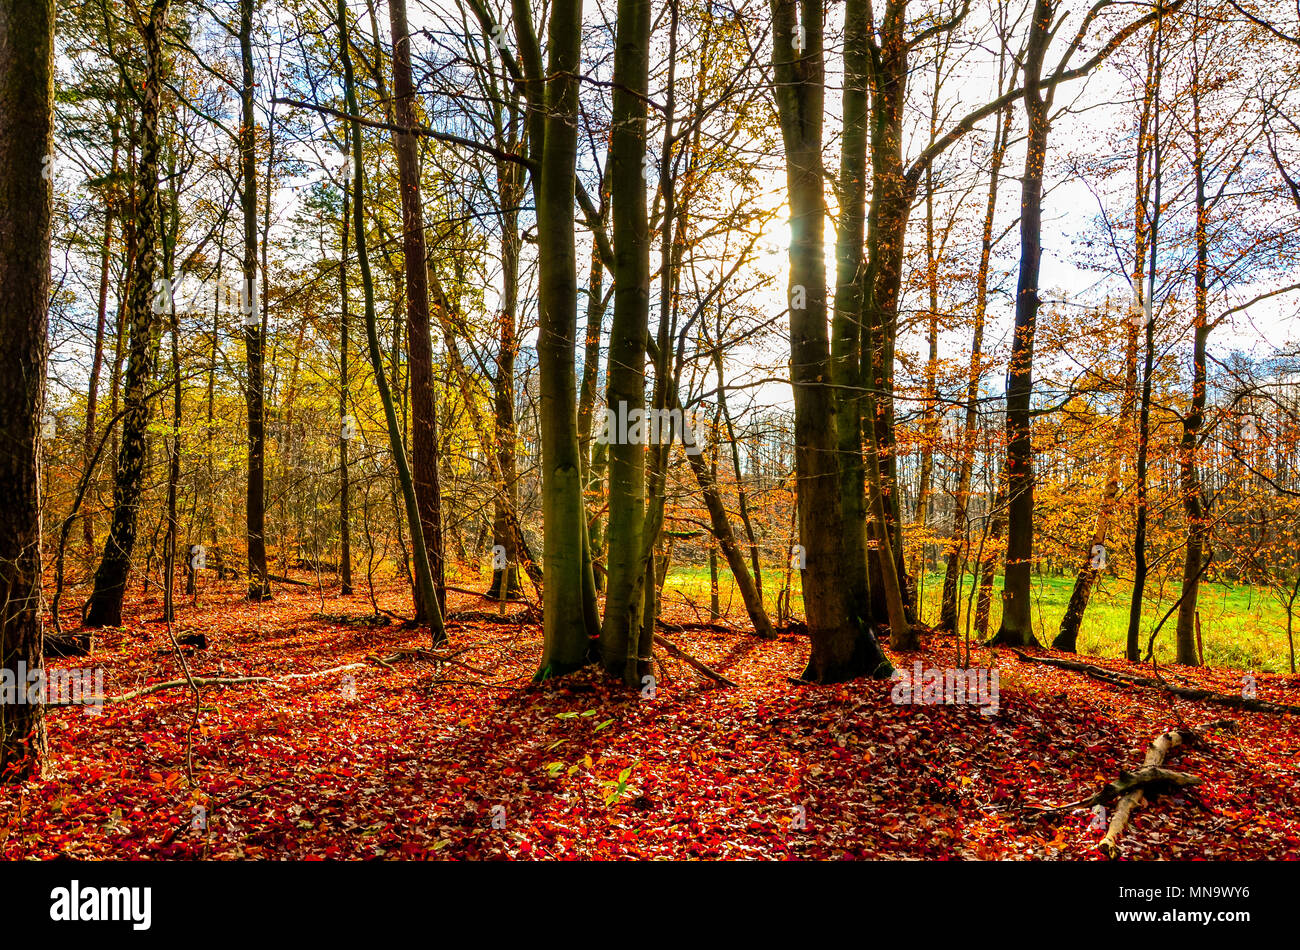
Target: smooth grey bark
[{"x": 625, "y": 392}]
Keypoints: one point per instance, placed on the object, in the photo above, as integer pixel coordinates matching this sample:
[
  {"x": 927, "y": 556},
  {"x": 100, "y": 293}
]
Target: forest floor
[{"x": 421, "y": 759}]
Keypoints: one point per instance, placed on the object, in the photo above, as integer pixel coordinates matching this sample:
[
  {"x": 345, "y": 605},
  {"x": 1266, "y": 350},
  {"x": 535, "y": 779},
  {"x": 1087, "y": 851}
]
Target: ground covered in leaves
[{"x": 461, "y": 757}]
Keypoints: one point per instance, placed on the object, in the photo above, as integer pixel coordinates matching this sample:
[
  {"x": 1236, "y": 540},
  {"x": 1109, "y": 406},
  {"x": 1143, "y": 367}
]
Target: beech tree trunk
[
  {"x": 892, "y": 193},
  {"x": 1194, "y": 506},
  {"x": 957, "y": 544},
  {"x": 1067, "y": 638},
  {"x": 565, "y": 611},
  {"x": 625, "y": 392},
  {"x": 347, "y": 429},
  {"x": 505, "y": 581},
  {"x": 843, "y": 646},
  {"x": 1154, "y": 79},
  {"x": 101, "y": 323}
]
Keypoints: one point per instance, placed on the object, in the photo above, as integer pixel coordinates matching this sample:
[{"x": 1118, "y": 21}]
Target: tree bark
[
  {"x": 843, "y": 646},
  {"x": 423, "y": 575},
  {"x": 505, "y": 581},
  {"x": 565, "y": 611},
  {"x": 26, "y": 155},
  {"x": 424, "y": 427},
  {"x": 1154, "y": 78},
  {"x": 259, "y": 585},
  {"x": 1017, "y": 627},
  {"x": 1190, "y": 479},
  {"x": 101, "y": 322},
  {"x": 105, "y": 608},
  {"x": 347, "y": 429},
  {"x": 625, "y": 393},
  {"x": 956, "y": 546}
]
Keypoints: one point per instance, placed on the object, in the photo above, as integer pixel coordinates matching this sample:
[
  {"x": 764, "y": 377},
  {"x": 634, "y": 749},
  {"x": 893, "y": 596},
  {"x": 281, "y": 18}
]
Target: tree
[
  {"x": 1093, "y": 560},
  {"x": 1017, "y": 621},
  {"x": 259, "y": 584},
  {"x": 105, "y": 608},
  {"x": 625, "y": 396},
  {"x": 347, "y": 425},
  {"x": 423, "y": 572},
  {"x": 424, "y": 430},
  {"x": 569, "y": 591},
  {"x": 970, "y": 428},
  {"x": 1152, "y": 211},
  {"x": 843, "y": 646},
  {"x": 26, "y": 155},
  {"x": 1017, "y": 627}
]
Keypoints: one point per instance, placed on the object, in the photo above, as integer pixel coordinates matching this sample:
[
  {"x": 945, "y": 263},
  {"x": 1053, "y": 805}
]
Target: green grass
[
  {"x": 687, "y": 583},
  {"x": 1242, "y": 627}
]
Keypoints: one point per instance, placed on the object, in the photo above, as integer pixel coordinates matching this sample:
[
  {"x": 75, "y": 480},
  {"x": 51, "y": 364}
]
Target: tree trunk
[
  {"x": 1067, "y": 638},
  {"x": 1092, "y": 566},
  {"x": 505, "y": 581},
  {"x": 595, "y": 454},
  {"x": 26, "y": 155},
  {"x": 742, "y": 497},
  {"x": 424, "y": 428},
  {"x": 105, "y": 609},
  {"x": 101, "y": 322},
  {"x": 892, "y": 195},
  {"x": 731, "y": 550},
  {"x": 1133, "y": 646},
  {"x": 1190, "y": 479},
  {"x": 988, "y": 562},
  {"x": 1017, "y": 627},
  {"x": 347, "y": 427},
  {"x": 172, "y": 538},
  {"x": 843, "y": 646},
  {"x": 956, "y": 546},
  {"x": 423, "y": 574},
  {"x": 846, "y": 320},
  {"x": 625, "y": 394},
  {"x": 259, "y": 585},
  {"x": 565, "y": 612}
]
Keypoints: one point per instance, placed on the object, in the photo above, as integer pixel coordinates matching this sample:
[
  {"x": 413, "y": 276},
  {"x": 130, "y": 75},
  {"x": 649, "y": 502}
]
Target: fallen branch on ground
[
  {"x": 1185, "y": 692},
  {"x": 1151, "y": 779},
  {"x": 698, "y": 625},
  {"x": 439, "y": 658},
  {"x": 690, "y": 661},
  {"x": 288, "y": 580},
  {"x": 517, "y": 618},
  {"x": 240, "y": 680}
]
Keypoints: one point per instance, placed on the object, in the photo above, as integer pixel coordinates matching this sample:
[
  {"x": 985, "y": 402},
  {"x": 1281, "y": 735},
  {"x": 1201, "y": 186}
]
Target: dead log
[
  {"x": 520, "y": 617},
  {"x": 68, "y": 644},
  {"x": 676, "y": 651},
  {"x": 240, "y": 680},
  {"x": 1185, "y": 692},
  {"x": 697, "y": 625},
  {"x": 288, "y": 580},
  {"x": 1150, "y": 780}
]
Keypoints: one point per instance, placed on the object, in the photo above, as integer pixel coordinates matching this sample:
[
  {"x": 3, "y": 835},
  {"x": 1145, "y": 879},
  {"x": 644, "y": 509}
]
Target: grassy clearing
[{"x": 1242, "y": 627}]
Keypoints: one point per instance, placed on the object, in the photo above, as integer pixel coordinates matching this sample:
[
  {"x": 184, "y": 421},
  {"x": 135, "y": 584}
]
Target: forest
[{"x": 650, "y": 429}]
